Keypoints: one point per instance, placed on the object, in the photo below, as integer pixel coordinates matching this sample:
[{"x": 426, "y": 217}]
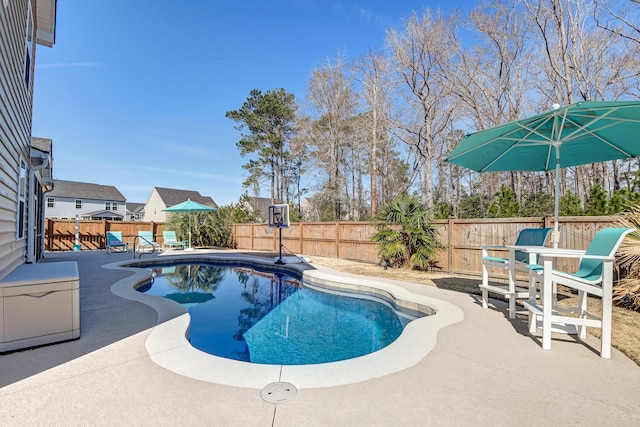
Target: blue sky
[{"x": 134, "y": 93}]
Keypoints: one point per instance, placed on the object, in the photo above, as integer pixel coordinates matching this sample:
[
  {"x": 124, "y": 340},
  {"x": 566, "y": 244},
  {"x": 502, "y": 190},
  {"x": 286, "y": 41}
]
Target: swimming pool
[
  {"x": 269, "y": 316},
  {"x": 167, "y": 344}
]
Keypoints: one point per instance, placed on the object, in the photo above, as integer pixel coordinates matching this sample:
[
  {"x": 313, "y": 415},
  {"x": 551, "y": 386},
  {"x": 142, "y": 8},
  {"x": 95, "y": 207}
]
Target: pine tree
[
  {"x": 506, "y": 205},
  {"x": 597, "y": 203}
]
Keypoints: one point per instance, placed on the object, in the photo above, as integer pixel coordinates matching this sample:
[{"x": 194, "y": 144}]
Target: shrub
[
  {"x": 627, "y": 291},
  {"x": 405, "y": 234}
]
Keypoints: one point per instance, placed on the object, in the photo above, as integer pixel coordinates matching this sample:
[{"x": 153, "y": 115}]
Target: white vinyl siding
[
  {"x": 153, "y": 210},
  {"x": 15, "y": 129},
  {"x": 21, "y": 215},
  {"x": 111, "y": 206},
  {"x": 65, "y": 207}
]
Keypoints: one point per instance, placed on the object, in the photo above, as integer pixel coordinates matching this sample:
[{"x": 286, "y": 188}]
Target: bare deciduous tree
[
  {"x": 491, "y": 77},
  {"x": 333, "y": 104},
  {"x": 372, "y": 71},
  {"x": 433, "y": 85},
  {"x": 581, "y": 62},
  {"x": 421, "y": 52},
  {"x": 618, "y": 17}
]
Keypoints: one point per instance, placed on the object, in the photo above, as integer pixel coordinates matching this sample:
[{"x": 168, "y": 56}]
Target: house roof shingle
[
  {"x": 135, "y": 207},
  {"x": 172, "y": 196},
  {"x": 261, "y": 204},
  {"x": 103, "y": 214},
  {"x": 85, "y": 190}
]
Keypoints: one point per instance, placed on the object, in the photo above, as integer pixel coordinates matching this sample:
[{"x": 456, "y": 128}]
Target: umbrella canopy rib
[{"x": 583, "y": 133}]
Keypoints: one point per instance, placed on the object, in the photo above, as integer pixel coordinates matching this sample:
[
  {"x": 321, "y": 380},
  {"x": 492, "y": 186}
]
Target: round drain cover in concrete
[{"x": 278, "y": 392}]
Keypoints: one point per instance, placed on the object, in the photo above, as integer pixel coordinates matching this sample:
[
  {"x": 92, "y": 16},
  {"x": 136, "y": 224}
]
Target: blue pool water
[{"x": 265, "y": 316}]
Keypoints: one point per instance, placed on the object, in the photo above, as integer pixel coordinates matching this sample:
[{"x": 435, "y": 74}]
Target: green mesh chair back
[
  {"x": 604, "y": 243},
  {"x": 530, "y": 237}
]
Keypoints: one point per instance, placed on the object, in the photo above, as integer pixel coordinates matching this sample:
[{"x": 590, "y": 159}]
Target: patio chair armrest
[
  {"x": 528, "y": 248},
  {"x": 487, "y": 248},
  {"x": 577, "y": 254},
  {"x": 493, "y": 247},
  {"x": 546, "y": 251}
]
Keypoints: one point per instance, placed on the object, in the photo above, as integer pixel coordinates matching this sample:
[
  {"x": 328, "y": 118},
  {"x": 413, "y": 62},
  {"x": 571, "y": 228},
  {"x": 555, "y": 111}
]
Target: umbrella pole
[
  {"x": 189, "y": 213},
  {"x": 555, "y": 236}
]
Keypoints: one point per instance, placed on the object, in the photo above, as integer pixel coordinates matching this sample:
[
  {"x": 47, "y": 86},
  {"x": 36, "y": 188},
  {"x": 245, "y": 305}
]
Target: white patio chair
[
  {"x": 516, "y": 260},
  {"x": 145, "y": 241},
  {"x": 170, "y": 241},
  {"x": 594, "y": 277}
]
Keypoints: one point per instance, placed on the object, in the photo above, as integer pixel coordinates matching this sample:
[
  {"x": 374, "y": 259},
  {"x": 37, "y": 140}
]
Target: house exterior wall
[
  {"x": 153, "y": 208},
  {"x": 16, "y": 108},
  {"x": 65, "y": 207}
]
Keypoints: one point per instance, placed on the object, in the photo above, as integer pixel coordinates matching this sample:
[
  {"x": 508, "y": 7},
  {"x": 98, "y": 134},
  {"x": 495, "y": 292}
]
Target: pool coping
[{"x": 168, "y": 347}]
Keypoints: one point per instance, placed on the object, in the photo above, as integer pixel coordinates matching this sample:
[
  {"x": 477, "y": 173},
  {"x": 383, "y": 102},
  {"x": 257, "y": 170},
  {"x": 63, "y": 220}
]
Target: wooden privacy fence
[
  {"x": 61, "y": 234},
  {"x": 463, "y": 239}
]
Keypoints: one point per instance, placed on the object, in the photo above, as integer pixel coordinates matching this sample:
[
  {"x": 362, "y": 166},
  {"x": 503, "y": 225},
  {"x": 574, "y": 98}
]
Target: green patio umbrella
[
  {"x": 190, "y": 298},
  {"x": 189, "y": 206},
  {"x": 578, "y": 134}
]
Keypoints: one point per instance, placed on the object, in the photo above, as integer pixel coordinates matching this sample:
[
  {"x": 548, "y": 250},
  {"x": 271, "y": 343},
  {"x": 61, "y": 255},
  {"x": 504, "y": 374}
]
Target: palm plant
[
  {"x": 208, "y": 228},
  {"x": 405, "y": 234},
  {"x": 627, "y": 291}
]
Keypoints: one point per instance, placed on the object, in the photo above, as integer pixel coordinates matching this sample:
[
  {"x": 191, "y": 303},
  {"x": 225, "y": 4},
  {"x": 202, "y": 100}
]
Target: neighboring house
[
  {"x": 40, "y": 182},
  {"x": 261, "y": 205},
  {"x": 162, "y": 198},
  {"x": 88, "y": 201},
  {"x": 135, "y": 212},
  {"x": 26, "y": 167}
]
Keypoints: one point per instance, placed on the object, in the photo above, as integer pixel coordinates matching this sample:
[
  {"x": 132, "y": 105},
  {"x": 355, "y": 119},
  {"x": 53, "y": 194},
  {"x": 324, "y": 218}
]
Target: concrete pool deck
[{"x": 483, "y": 370}]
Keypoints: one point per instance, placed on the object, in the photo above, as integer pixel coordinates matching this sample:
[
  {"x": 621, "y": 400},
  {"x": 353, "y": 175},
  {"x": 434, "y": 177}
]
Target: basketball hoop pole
[
  {"x": 279, "y": 218},
  {"x": 279, "y": 261}
]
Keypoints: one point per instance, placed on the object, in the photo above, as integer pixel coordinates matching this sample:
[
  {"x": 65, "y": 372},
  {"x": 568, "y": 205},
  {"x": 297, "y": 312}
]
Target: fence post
[
  {"x": 450, "y": 244},
  {"x": 338, "y": 240},
  {"x": 301, "y": 239},
  {"x": 103, "y": 242},
  {"x": 233, "y": 236},
  {"x": 153, "y": 231},
  {"x": 49, "y": 232}
]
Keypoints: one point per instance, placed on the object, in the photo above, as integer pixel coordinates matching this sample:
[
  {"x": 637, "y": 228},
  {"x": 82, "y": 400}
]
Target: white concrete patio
[{"x": 484, "y": 370}]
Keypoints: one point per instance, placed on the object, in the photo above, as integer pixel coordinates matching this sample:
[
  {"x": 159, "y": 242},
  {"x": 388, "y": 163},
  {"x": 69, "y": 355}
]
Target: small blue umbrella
[{"x": 189, "y": 206}]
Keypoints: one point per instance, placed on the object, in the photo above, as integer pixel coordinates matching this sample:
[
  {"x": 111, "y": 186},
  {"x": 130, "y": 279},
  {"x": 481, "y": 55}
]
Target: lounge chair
[
  {"x": 517, "y": 260},
  {"x": 145, "y": 241},
  {"x": 594, "y": 276},
  {"x": 115, "y": 243},
  {"x": 170, "y": 241}
]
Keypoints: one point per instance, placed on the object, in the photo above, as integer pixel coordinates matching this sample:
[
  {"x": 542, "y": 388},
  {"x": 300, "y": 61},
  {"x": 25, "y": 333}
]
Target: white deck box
[{"x": 39, "y": 304}]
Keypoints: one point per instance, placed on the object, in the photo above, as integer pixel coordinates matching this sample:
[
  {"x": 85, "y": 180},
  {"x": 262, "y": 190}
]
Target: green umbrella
[
  {"x": 578, "y": 134},
  {"x": 189, "y": 206}
]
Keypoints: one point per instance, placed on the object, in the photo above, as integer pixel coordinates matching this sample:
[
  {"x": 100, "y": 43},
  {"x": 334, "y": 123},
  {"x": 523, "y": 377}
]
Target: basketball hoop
[{"x": 279, "y": 218}]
